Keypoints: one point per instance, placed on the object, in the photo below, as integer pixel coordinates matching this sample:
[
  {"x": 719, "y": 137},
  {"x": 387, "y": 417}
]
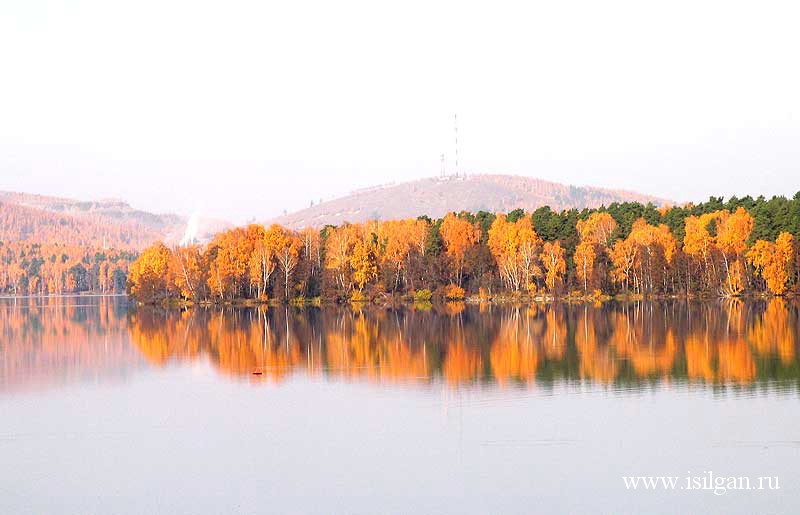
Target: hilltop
[{"x": 436, "y": 197}]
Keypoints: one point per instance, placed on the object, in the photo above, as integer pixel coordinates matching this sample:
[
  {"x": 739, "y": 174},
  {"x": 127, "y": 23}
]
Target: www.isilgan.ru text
[{"x": 708, "y": 481}]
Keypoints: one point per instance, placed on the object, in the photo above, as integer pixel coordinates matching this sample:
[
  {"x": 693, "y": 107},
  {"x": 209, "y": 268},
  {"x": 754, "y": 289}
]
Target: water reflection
[
  {"x": 630, "y": 345},
  {"x": 59, "y": 340},
  {"x": 633, "y": 346}
]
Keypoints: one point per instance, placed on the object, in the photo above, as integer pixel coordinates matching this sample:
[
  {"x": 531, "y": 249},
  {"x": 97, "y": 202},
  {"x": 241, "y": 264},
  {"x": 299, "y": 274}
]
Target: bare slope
[{"x": 436, "y": 197}]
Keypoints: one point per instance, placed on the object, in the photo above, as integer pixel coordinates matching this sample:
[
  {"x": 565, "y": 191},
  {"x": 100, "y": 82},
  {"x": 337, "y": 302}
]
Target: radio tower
[
  {"x": 455, "y": 130},
  {"x": 442, "y": 173}
]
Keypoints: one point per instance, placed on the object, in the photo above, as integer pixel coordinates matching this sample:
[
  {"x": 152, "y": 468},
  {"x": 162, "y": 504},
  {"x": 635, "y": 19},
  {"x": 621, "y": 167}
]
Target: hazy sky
[{"x": 242, "y": 109}]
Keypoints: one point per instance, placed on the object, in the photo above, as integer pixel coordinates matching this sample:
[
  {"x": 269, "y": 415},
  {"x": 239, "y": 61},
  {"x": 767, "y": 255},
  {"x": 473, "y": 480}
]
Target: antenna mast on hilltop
[
  {"x": 455, "y": 130},
  {"x": 443, "y": 171}
]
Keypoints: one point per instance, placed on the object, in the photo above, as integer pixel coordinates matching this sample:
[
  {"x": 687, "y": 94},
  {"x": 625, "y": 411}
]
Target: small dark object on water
[{"x": 257, "y": 373}]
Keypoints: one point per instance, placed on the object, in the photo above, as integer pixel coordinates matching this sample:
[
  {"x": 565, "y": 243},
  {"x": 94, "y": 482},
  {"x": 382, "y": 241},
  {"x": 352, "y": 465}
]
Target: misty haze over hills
[
  {"x": 114, "y": 222},
  {"x": 100, "y": 223},
  {"x": 438, "y": 196}
]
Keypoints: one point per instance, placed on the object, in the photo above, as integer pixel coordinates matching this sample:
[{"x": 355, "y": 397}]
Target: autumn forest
[{"x": 717, "y": 248}]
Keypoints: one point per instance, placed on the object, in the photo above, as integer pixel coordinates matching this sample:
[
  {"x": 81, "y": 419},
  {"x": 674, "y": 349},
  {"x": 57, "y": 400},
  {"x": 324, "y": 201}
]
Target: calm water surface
[{"x": 464, "y": 409}]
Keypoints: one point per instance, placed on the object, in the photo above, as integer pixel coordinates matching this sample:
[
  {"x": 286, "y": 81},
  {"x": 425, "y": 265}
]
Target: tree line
[
  {"x": 715, "y": 248},
  {"x": 29, "y": 268}
]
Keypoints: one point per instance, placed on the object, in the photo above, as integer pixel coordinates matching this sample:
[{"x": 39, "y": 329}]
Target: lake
[{"x": 108, "y": 408}]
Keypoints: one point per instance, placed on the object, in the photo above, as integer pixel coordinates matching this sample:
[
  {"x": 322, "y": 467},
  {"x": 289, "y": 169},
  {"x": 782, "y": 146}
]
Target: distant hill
[
  {"x": 104, "y": 223},
  {"x": 436, "y": 197}
]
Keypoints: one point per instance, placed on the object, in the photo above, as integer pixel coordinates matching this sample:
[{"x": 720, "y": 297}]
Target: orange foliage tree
[
  {"x": 149, "y": 278},
  {"x": 287, "y": 246},
  {"x": 261, "y": 262},
  {"x": 398, "y": 239},
  {"x": 595, "y": 233},
  {"x": 584, "y": 262},
  {"x": 718, "y": 240},
  {"x": 597, "y": 229},
  {"x": 459, "y": 236},
  {"x": 364, "y": 262},
  {"x": 554, "y": 264},
  {"x": 772, "y": 261},
  {"x": 732, "y": 234},
  {"x": 514, "y": 246},
  {"x": 188, "y": 269},
  {"x": 339, "y": 245}
]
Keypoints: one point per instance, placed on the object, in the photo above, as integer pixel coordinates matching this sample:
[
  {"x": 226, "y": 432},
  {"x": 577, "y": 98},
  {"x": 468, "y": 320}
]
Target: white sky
[{"x": 242, "y": 109}]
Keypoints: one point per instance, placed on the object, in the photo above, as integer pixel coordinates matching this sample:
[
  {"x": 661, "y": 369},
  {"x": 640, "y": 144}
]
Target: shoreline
[
  {"x": 409, "y": 301},
  {"x": 470, "y": 299}
]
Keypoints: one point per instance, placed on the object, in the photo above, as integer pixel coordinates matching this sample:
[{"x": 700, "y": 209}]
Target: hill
[
  {"x": 436, "y": 197},
  {"x": 21, "y": 223},
  {"x": 110, "y": 210},
  {"x": 99, "y": 224}
]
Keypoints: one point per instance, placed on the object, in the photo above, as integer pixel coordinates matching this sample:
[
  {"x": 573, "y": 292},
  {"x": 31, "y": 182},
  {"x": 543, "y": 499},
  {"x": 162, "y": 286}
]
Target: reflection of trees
[
  {"x": 49, "y": 340},
  {"x": 775, "y": 332},
  {"x": 700, "y": 358},
  {"x": 356, "y": 345},
  {"x": 730, "y": 342},
  {"x": 514, "y": 353},
  {"x": 597, "y": 362},
  {"x": 717, "y": 343},
  {"x": 735, "y": 362},
  {"x": 554, "y": 339},
  {"x": 639, "y": 338},
  {"x": 238, "y": 341}
]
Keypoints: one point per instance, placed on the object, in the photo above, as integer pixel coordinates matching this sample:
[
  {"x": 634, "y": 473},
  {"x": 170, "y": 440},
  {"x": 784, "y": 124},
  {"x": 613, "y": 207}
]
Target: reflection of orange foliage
[
  {"x": 597, "y": 363},
  {"x": 352, "y": 347},
  {"x": 53, "y": 340},
  {"x": 699, "y": 356},
  {"x": 355, "y": 349},
  {"x": 415, "y": 345},
  {"x": 736, "y": 362},
  {"x": 237, "y": 346},
  {"x": 554, "y": 339},
  {"x": 454, "y": 308},
  {"x": 648, "y": 352},
  {"x": 159, "y": 338},
  {"x": 774, "y": 333},
  {"x": 402, "y": 364},
  {"x": 514, "y": 354},
  {"x": 462, "y": 364},
  {"x": 735, "y": 356},
  {"x": 658, "y": 358}
]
